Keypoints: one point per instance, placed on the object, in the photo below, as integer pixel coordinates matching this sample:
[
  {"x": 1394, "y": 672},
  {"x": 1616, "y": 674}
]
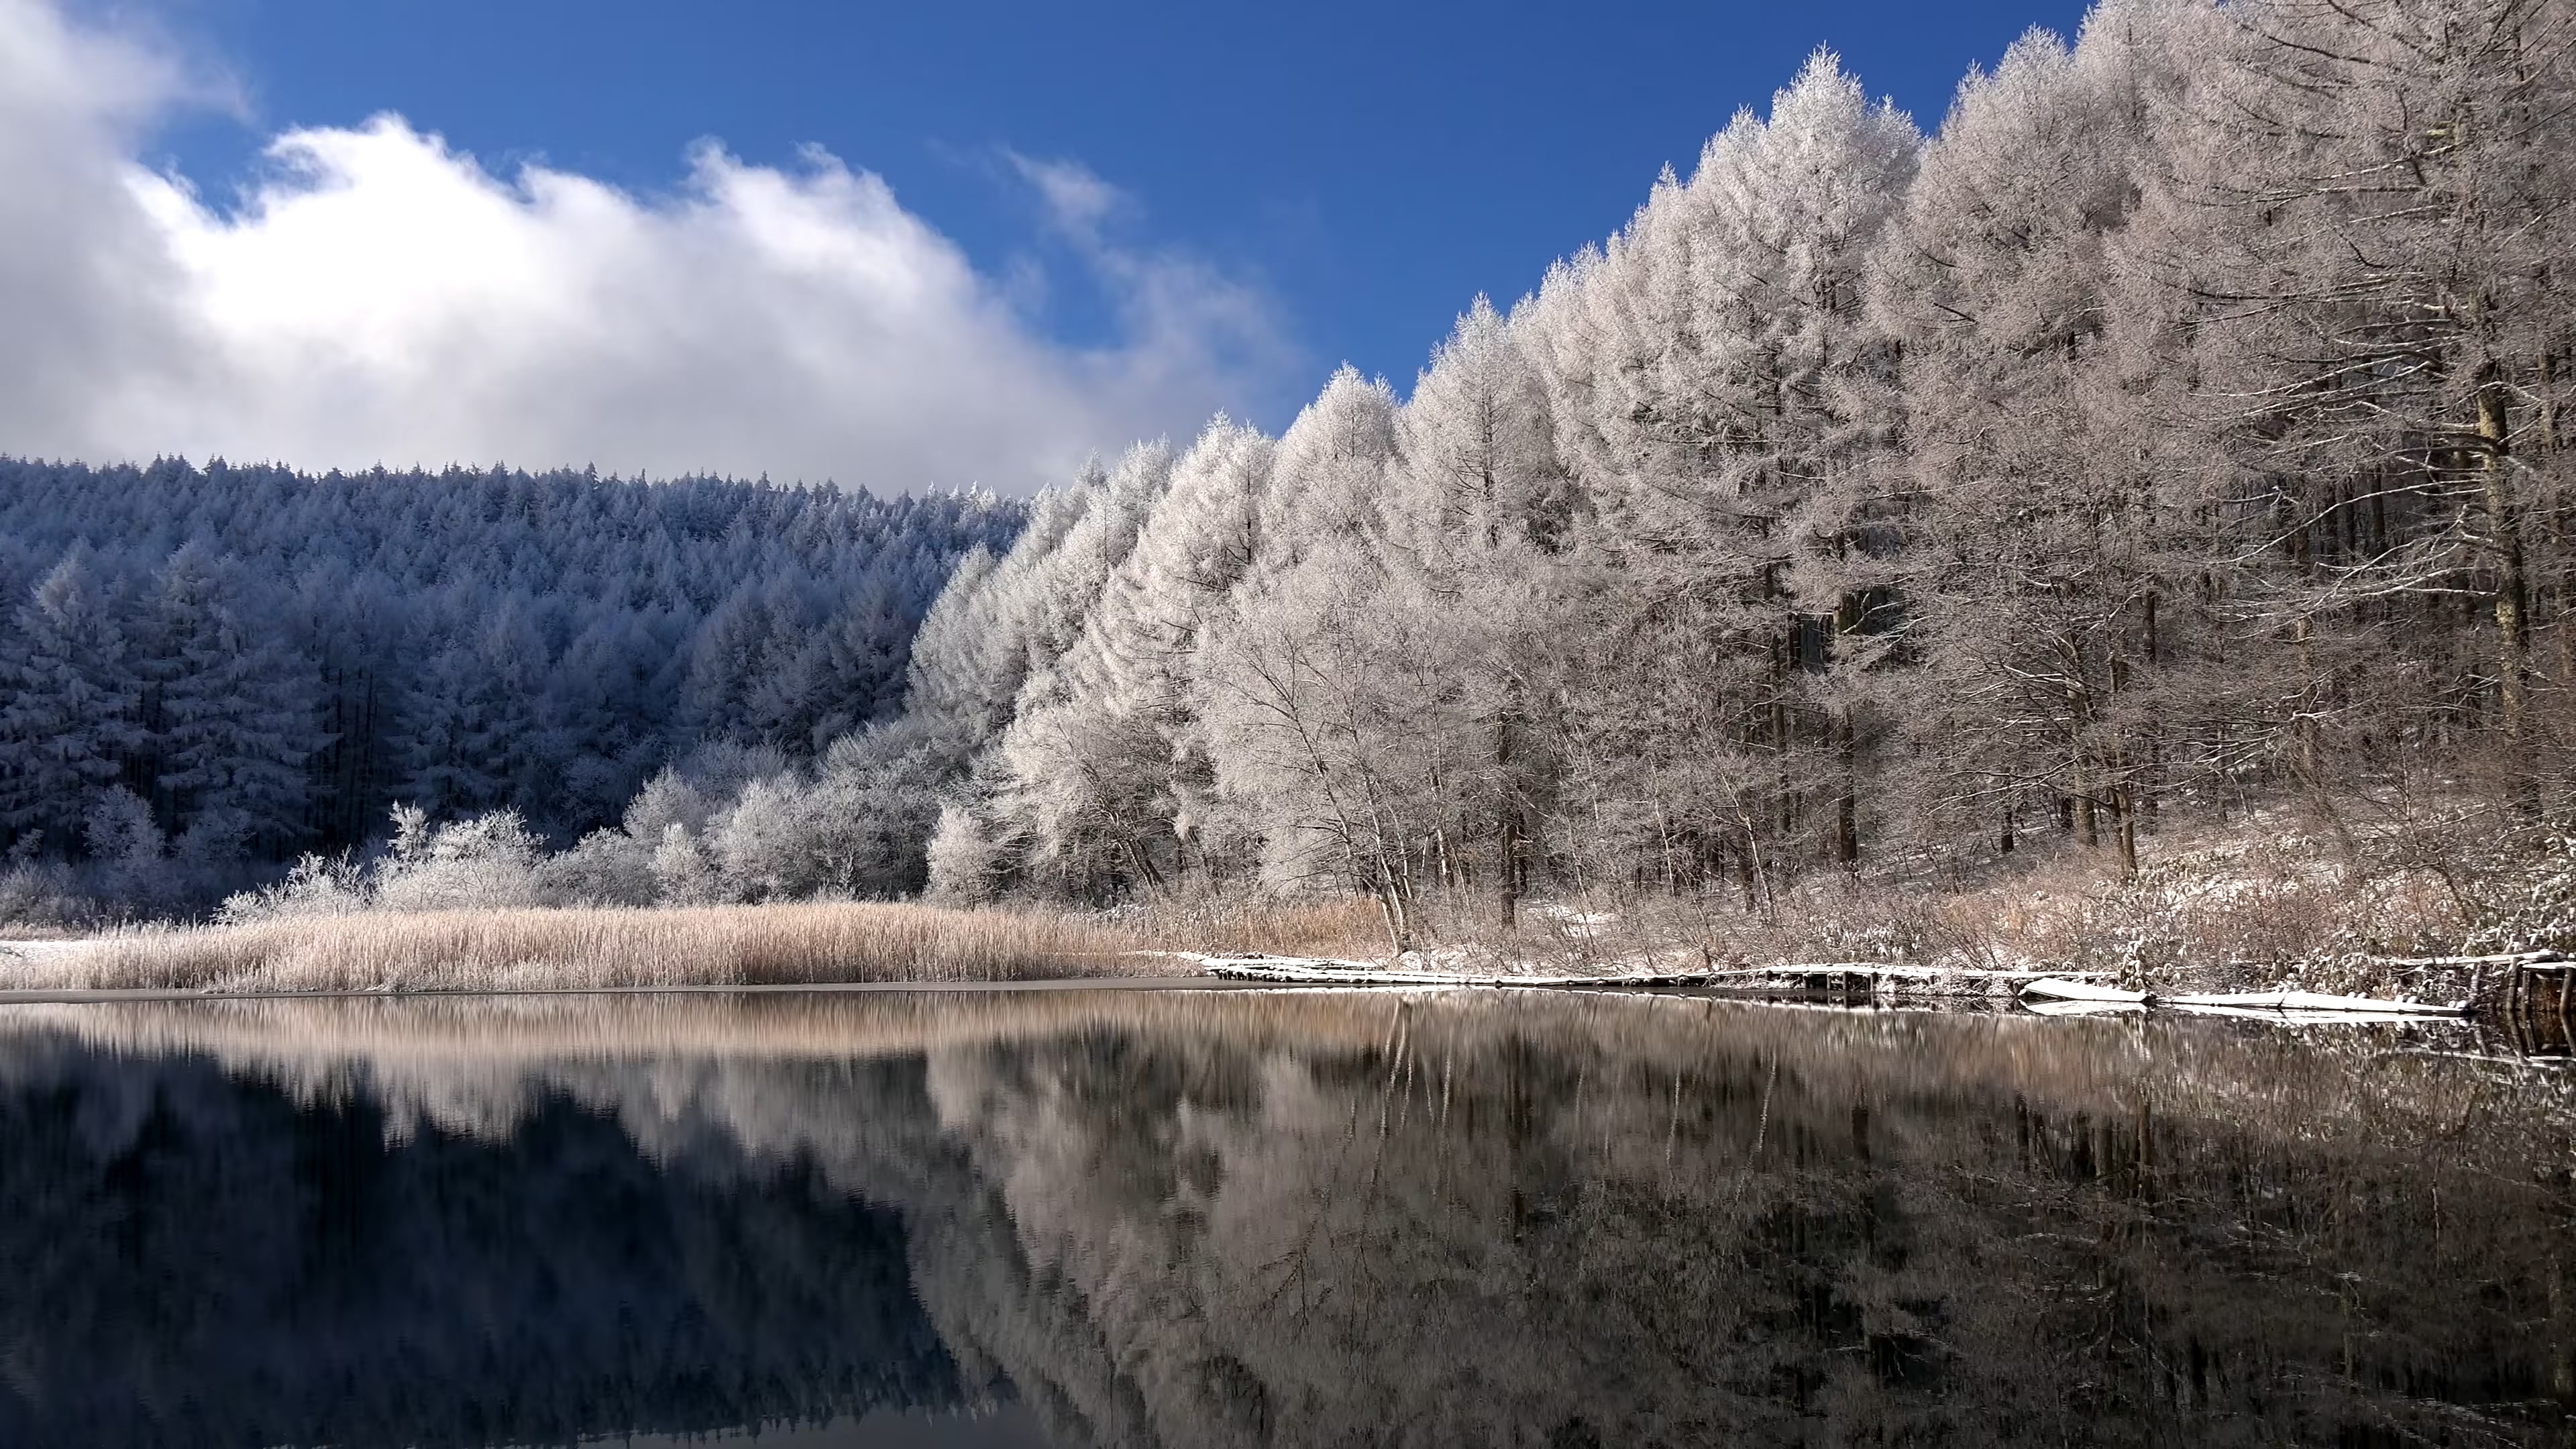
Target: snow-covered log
[
  {"x": 2307, "y": 1001},
  {"x": 2058, "y": 988}
]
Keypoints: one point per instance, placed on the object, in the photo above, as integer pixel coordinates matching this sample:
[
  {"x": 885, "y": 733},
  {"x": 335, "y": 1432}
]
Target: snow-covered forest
[
  {"x": 2178, "y": 429},
  {"x": 215, "y": 664}
]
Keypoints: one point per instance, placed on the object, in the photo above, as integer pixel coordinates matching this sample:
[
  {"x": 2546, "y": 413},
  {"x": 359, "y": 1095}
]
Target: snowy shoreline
[
  {"x": 2049, "y": 992},
  {"x": 54, "y": 969}
]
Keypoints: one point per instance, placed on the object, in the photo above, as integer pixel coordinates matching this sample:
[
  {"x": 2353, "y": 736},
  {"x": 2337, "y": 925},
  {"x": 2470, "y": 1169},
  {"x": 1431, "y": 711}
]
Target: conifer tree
[
  {"x": 70, "y": 716},
  {"x": 237, "y": 717}
]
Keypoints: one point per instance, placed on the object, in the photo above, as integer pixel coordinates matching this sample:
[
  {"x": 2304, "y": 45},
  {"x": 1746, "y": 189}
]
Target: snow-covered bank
[
  {"x": 2050, "y": 993},
  {"x": 2307, "y": 1001},
  {"x": 2060, "y": 996},
  {"x": 1833, "y": 978}
]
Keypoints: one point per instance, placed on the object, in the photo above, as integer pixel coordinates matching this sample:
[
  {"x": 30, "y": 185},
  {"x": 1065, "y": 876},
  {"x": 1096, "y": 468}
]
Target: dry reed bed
[
  {"x": 504, "y": 950},
  {"x": 1330, "y": 926},
  {"x": 2377, "y": 1082}
]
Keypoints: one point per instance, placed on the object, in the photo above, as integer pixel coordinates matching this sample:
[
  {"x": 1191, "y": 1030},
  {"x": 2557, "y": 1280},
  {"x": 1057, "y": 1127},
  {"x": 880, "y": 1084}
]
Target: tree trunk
[
  {"x": 2124, "y": 813},
  {"x": 2504, "y": 528},
  {"x": 1399, "y": 932},
  {"x": 2304, "y": 733},
  {"x": 1847, "y": 801},
  {"x": 1508, "y": 818},
  {"x": 1847, "y": 617}
]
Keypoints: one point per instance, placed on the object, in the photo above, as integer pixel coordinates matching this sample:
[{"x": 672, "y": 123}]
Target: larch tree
[
  {"x": 70, "y": 717},
  {"x": 1124, "y": 748},
  {"x": 1738, "y": 403},
  {"x": 2363, "y": 230},
  {"x": 2039, "y": 583},
  {"x": 1488, "y": 511},
  {"x": 1028, "y": 809},
  {"x": 234, "y": 717},
  {"x": 1321, "y": 701}
]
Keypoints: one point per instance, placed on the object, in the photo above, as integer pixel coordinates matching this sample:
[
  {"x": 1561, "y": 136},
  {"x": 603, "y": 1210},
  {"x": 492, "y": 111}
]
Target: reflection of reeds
[
  {"x": 559, "y": 949},
  {"x": 2381, "y": 1083}
]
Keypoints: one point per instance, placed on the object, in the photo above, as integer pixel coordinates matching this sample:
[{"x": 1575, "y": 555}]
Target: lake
[{"x": 1222, "y": 1218}]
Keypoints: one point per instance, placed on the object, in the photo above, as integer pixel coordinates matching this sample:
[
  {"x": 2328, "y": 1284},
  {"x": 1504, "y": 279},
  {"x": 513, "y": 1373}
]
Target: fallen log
[
  {"x": 1804, "y": 978},
  {"x": 2059, "y": 988},
  {"x": 2307, "y": 1002}
]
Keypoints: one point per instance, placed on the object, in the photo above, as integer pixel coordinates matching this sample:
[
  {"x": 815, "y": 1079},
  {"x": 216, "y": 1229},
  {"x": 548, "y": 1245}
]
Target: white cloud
[
  {"x": 1077, "y": 201},
  {"x": 386, "y": 298}
]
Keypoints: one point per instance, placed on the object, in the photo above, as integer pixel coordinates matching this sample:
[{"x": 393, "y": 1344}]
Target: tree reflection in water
[{"x": 1218, "y": 1219}]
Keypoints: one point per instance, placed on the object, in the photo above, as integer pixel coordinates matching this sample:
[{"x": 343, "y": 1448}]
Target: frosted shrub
[
  {"x": 2526, "y": 900},
  {"x": 962, "y": 857},
  {"x": 866, "y": 828},
  {"x": 761, "y": 846},
  {"x": 607, "y": 868},
  {"x": 722, "y": 771},
  {"x": 681, "y": 872},
  {"x": 43, "y": 896},
  {"x": 119, "y": 829},
  {"x": 318, "y": 886},
  {"x": 128, "y": 851},
  {"x": 666, "y": 800},
  {"x": 487, "y": 862},
  {"x": 216, "y": 836}
]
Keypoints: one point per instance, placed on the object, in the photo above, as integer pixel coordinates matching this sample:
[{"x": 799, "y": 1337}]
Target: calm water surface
[{"x": 1218, "y": 1219}]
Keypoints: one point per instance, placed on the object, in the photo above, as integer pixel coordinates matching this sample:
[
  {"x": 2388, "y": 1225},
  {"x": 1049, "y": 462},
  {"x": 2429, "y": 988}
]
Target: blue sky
[
  {"x": 1374, "y": 165},
  {"x": 1294, "y": 186}
]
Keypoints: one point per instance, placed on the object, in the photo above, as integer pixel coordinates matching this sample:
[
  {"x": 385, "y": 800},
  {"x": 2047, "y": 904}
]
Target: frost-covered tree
[
  {"x": 1115, "y": 773},
  {"x": 1033, "y": 812},
  {"x": 1736, "y": 401},
  {"x": 2047, "y": 572},
  {"x": 1324, "y": 703},
  {"x": 232, "y": 719},
  {"x": 982, "y": 635},
  {"x": 850, "y": 671},
  {"x": 2358, "y": 244},
  {"x": 1488, "y": 514},
  {"x": 70, "y": 713}
]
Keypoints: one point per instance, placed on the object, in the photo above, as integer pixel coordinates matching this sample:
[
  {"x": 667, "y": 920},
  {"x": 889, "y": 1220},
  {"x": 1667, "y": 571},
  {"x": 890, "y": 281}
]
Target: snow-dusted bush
[
  {"x": 682, "y": 874},
  {"x": 668, "y": 799},
  {"x": 482, "y": 863},
  {"x": 869, "y": 833},
  {"x": 721, "y": 772},
  {"x": 605, "y": 868},
  {"x": 762, "y": 847},
  {"x": 43, "y": 896},
  {"x": 962, "y": 857},
  {"x": 119, "y": 829},
  {"x": 2525, "y": 900},
  {"x": 871, "y": 811},
  {"x": 317, "y": 886},
  {"x": 128, "y": 856},
  {"x": 486, "y": 862},
  {"x": 738, "y": 825}
]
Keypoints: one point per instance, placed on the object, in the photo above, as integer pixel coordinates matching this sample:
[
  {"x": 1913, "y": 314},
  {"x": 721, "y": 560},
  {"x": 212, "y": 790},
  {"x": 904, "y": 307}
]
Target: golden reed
[{"x": 560, "y": 949}]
